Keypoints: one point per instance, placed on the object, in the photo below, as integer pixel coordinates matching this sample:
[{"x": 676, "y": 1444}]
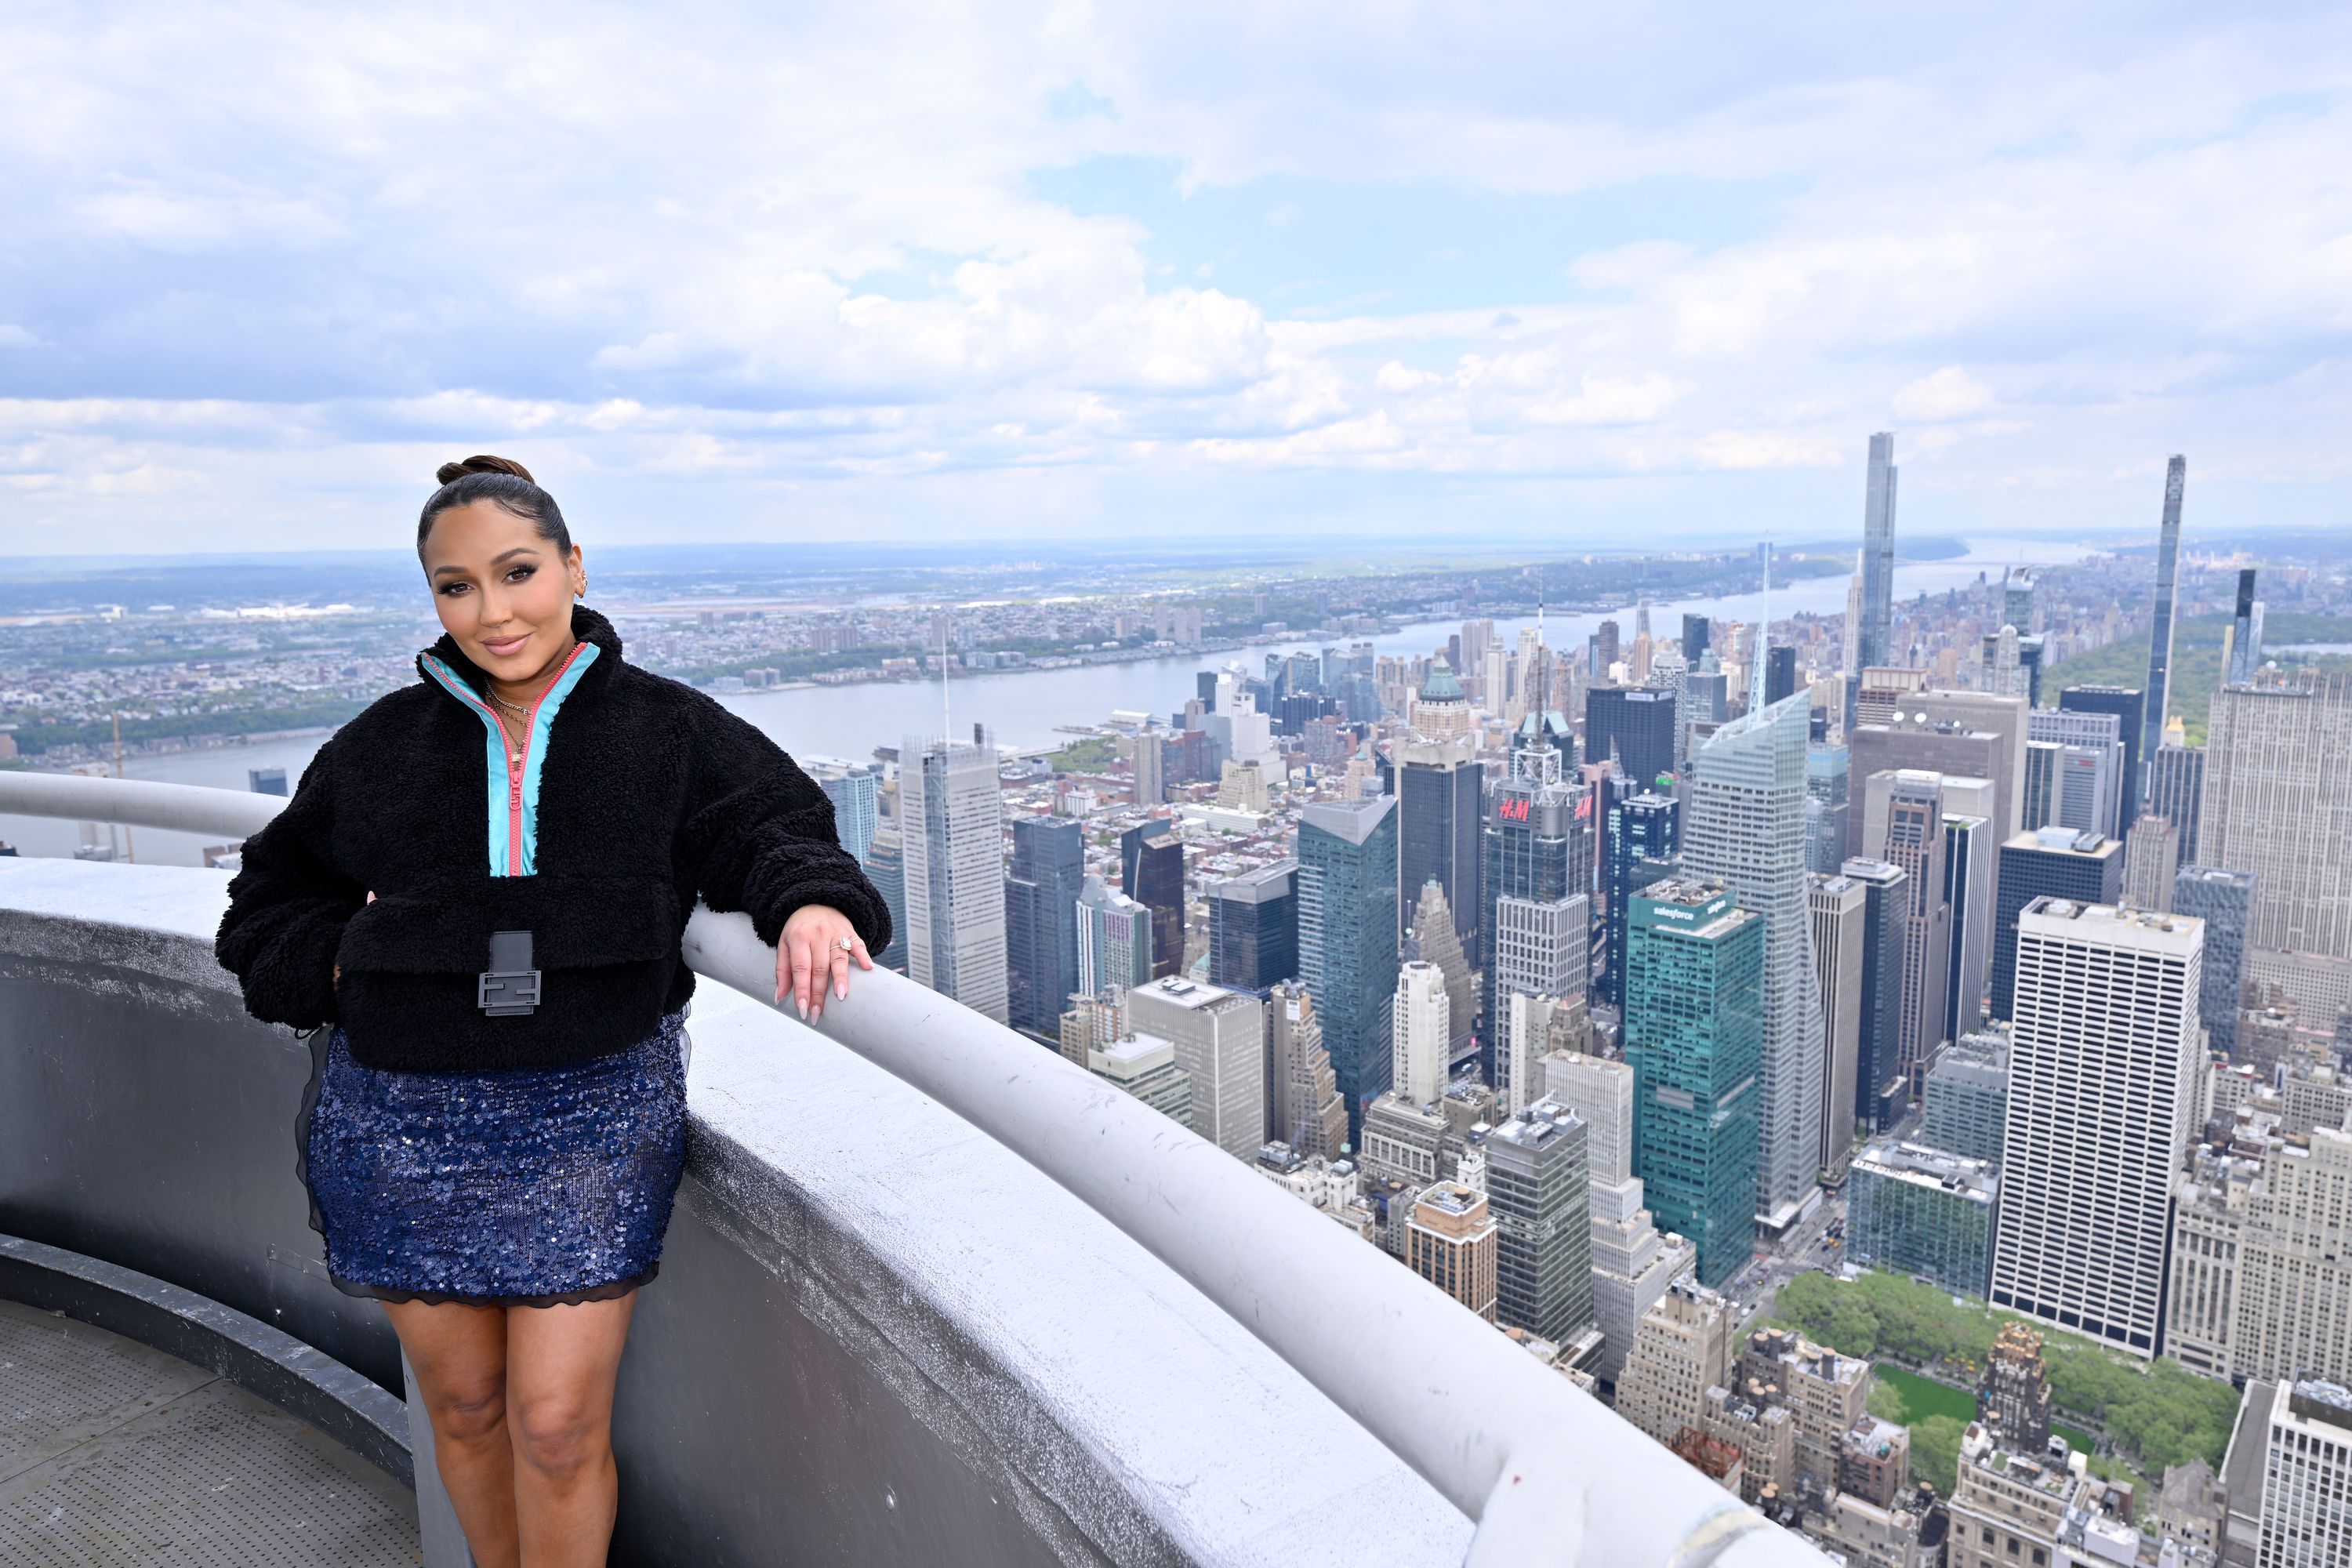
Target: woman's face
[{"x": 501, "y": 591}]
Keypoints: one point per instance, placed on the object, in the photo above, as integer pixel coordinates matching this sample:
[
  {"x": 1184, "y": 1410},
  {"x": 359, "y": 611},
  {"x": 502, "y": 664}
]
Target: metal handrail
[{"x": 1551, "y": 1475}]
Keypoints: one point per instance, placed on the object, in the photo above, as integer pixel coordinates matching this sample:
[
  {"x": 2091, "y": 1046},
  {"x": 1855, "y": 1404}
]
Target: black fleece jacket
[{"x": 650, "y": 794}]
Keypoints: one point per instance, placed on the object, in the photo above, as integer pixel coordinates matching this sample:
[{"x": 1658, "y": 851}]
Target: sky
[{"x": 1595, "y": 276}]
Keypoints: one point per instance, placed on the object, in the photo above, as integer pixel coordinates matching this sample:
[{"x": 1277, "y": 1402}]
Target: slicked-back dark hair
[{"x": 504, "y": 481}]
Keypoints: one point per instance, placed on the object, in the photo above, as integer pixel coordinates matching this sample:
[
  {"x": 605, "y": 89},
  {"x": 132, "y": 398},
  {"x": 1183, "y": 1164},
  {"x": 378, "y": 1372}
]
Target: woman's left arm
[{"x": 762, "y": 837}]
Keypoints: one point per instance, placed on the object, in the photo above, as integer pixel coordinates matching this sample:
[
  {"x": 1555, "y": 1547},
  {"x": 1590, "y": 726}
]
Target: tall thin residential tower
[
  {"x": 2160, "y": 641},
  {"x": 1877, "y": 556}
]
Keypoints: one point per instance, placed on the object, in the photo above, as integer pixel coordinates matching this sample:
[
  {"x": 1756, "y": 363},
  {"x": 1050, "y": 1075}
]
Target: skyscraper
[
  {"x": 856, "y": 790},
  {"x": 2007, "y": 718},
  {"x": 2305, "y": 1470},
  {"x": 1152, "y": 872},
  {"x": 1451, "y": 1243},
  {"x": 1779, "y": 673},
  {"x": 2052, "y": 862},
  {"x": 1683, "y": 1348},
  {"x": 2275, "y": 805},
  {"x": 1434, "y": 941},
  {"x": 1643, "y": 826},
  {"x": 1535, "y": 1189},
  {"x": 2176, "y": 781},
  {"x": 2243, "y": 656},
  {"x": 1421, "y": 1024},
  {"x": 1693, "y": 1034},
  {"x": 1636, "y": 724},
  {"x": 2017, "y": 607},
  {"x": 1253, "y": 927},
  {"x": 1921, "y": 1211},
  {"x": 1114, "y": 940},
  {"x": 1540, "y": 866},
  {"x": 2137, "y": 741},
  {"x": 1148, "y": 761},
  {"x": 1348, "y": 938},
  {"x": 2224, "y": 900},
  {"x": 1543, "y": 948},
  {"x": 1632, "y": 1263},
  {"x": 1838, "y": 906},
  {"x": 2101, "y": 1092},
  {"x": 1303, "y": 1105},
  {"x": 1872, "y": 645},
  {"x": 1041, "y": 921},
  {"x": 953, "y": 813},
  {"x": 1915, "y": 842},
  {"x": 885, "y": 864},
  {"x": 1970, "y": 856},
  {"x": 1967, "y": 1098},
  {"x": 1745, "y": 827},
  {"x": 1881, "y": 1088},
  {"x": 1959, "y": 748},
  {"x": 1441, "y": 799},
  {"x": 1826, "y": 783},
  {"x": 2151, "y": 860},
  {"x": 2159, "y": 642},
  {"x": 1220, "y": 1039},
  {"x": 1696, "y": 635}
]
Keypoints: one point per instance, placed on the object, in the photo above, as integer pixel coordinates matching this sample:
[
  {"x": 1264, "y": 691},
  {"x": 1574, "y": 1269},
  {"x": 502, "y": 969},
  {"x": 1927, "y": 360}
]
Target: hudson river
[{"x": 1023, "y": 707}]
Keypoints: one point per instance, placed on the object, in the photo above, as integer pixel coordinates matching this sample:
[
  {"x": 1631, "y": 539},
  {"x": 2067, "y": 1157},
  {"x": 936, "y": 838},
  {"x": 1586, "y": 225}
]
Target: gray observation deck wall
[{"x": 878, "y": 1337}]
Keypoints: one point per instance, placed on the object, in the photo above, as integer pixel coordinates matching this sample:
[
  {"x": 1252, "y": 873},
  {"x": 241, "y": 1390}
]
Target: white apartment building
[
  {"x": 2103, "y": 1085},
  {"x": 1422, "y": 1028}
]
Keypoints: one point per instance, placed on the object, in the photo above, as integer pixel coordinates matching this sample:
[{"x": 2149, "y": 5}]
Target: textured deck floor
[{"x": 116, "y": 1456}]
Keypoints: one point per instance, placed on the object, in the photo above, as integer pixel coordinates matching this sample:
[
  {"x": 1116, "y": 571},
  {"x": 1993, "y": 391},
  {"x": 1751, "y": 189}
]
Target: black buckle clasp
[{"x": 510, "y": 986}]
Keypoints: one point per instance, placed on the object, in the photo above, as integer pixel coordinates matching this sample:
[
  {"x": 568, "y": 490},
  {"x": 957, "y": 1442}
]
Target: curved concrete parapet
[{"x": 878, "y": 1337}]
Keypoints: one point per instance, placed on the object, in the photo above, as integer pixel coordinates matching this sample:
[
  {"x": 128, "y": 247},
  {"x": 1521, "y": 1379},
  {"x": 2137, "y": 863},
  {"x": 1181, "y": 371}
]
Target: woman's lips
[{"x": 501, "y": 647}]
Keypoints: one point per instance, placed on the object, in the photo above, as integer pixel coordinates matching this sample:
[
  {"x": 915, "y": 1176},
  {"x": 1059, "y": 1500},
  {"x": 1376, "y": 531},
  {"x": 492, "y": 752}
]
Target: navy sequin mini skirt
[{"x": 530, "y": 1187}]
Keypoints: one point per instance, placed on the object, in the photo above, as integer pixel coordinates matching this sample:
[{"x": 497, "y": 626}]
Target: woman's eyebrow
[{"x": 501, "y": 555}]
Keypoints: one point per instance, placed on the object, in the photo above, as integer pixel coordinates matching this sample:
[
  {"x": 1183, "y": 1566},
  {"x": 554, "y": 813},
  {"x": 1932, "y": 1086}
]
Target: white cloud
[
  {"x": 1764, "y": 449},
  {"x": 284, "y": 254},
  {"x": 1950, "y": 393}
]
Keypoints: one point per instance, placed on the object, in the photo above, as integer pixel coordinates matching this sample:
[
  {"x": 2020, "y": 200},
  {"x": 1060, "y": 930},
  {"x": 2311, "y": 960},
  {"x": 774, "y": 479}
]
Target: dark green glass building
[{"x": 1695, "y": 1035}]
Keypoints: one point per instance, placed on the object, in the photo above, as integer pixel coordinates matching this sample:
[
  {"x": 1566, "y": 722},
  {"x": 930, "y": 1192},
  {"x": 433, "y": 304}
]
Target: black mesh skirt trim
[{"x": 610, "y": 1292}]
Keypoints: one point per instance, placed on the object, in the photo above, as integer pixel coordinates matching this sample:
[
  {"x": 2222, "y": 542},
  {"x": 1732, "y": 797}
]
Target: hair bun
[{"x": 451, "y": 472}]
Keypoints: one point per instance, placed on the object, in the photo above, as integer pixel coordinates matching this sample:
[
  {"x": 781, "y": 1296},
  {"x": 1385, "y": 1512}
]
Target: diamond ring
[{"x": 847, "y": 945}]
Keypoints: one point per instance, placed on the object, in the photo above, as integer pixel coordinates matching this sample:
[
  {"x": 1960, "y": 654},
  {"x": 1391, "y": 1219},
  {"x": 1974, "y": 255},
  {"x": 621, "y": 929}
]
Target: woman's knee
[
  {"x": 469, "y": 1410},
  {"x": 560, "y": 1436}
]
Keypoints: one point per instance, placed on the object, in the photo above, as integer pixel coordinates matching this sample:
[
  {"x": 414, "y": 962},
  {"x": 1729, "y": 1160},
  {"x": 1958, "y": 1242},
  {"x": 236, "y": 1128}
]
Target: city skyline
[{"x": 1050, "y": 275}]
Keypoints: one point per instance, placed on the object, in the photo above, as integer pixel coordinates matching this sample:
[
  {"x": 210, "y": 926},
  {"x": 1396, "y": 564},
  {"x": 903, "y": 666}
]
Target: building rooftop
[
  {"x": 1923, "y": 1166},
  {"x": 2105, "y": 923},
  {"x": 2065, "y": 841}
]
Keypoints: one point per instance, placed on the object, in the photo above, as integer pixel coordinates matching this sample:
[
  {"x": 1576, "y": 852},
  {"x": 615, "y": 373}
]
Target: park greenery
[
  {"x": 1089, "y": 756},
  {"x": 2196, "y": 661},
  {"x": 2154, "y": 1415}
]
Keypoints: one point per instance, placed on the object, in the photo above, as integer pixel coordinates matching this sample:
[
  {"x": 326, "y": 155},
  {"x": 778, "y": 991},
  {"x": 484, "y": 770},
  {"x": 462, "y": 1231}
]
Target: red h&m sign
[{"x": 1512, "y": 808}]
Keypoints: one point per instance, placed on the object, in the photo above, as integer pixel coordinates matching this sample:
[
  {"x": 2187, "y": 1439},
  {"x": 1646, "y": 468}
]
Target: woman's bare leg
[
  {"x": 561, "y": 1364},
  {"x": 459, "y": 1355}
]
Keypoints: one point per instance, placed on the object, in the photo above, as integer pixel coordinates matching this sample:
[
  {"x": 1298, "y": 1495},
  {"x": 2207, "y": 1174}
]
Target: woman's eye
[
  {"x": 520, "y": 572},
  {"x": 454, "y": 589}
]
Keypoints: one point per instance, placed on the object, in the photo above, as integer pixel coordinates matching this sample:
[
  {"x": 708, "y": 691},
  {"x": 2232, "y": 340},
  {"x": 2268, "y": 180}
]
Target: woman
[{"x": 480, "y": 885}]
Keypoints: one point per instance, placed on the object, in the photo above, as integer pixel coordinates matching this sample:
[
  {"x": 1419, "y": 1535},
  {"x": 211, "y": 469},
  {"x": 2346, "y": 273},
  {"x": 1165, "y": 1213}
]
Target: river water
[{"x": 1023, "y": 707}]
